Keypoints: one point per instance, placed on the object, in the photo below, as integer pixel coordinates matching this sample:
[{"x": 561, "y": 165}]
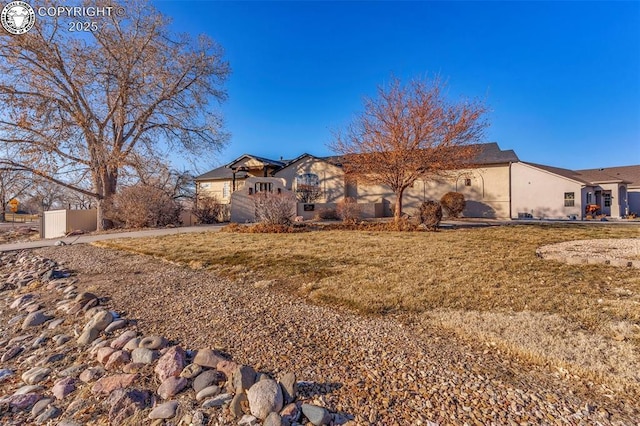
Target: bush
[
  {"x": 348, "y": 210},
  {"x": 327, "y": 214},
  {"x": 453, "y": 203},
  {"x": 275, "y": 209},
  {"x": 208, "y": 209},
  {"x": 142, "y": 206},
  {"x": 430, "y": 214}
]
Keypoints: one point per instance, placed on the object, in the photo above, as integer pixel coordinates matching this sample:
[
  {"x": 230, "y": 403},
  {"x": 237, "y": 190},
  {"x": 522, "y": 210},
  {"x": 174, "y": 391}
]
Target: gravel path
[{"x": 382, "y": 371}]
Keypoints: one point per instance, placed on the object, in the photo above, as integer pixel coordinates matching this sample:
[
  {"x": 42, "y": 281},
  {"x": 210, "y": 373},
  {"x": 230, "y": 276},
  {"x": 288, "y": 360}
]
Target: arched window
[{"x": 308, "y": 187}]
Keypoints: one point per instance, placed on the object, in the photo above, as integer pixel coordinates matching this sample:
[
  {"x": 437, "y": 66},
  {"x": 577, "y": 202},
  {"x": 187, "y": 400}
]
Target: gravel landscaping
[{"x": 374, "y": 370}]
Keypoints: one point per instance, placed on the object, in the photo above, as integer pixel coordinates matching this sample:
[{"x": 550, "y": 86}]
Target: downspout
[{"x": 233, "y": 186}]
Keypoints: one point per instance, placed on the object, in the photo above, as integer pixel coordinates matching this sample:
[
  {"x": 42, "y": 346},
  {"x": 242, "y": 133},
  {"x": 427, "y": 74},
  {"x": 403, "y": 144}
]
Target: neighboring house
[
  {"x": 554, "y": 193},
  {"x": 498, "y": 186}
]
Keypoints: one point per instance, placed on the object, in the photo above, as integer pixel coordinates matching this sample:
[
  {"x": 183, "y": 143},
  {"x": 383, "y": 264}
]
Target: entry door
[{"x": 606, "y": 203}]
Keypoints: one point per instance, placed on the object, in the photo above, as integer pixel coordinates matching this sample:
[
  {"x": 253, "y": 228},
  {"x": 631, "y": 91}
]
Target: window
[
  {"x": 226, "y": 189},
  {"x": 205, "y": 185},
  {"x": 308, "y": 188},
  {"x": 569, "y": 199},
  {"x": 589, "y": 198},
  {"x": 607, "y": 199},
  {"x": 467, "y": 182},
  {"x": 263, "y": 187}
]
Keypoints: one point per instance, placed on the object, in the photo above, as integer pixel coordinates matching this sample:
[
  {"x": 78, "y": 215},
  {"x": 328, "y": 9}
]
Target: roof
[
  {"x": 490, "y": 153},
  {"x": 221, "y": 173},
  {"x": 624, "y": 174},
  {"x": 628, "y": 174},
  {"x": 569, "y": 174},
  {"x": 264, "y": 160}
]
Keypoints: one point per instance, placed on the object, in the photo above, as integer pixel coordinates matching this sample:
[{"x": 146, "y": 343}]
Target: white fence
[{"x": 57, "y": 223}]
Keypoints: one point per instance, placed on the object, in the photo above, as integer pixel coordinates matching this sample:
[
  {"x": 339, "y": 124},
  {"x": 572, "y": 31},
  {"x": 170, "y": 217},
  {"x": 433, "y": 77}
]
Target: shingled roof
[{"x": 628, "y": 174}]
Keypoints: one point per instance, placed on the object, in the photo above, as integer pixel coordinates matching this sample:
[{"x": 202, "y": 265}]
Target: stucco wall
[
  {"x": 486, "y": 196},
  {"x": 541, "y": 193},
  {"x": 242, "y": 204},
  {"x": 331, "y": 177}
]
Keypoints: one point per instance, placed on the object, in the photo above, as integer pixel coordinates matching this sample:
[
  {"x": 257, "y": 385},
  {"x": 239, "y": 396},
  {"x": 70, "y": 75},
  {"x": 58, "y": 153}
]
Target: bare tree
[
  {"x": 13, "y": 184},
  {"x": 409, "y": 132},
  {"x": 86, "y": 108},
  {"x": 308, "y": 193}
]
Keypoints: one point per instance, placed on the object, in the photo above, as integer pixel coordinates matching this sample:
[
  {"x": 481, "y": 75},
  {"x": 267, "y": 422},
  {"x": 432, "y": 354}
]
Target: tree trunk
[
  {"x": 397, "y": 212},
  {"x": 108, "y": 183}
]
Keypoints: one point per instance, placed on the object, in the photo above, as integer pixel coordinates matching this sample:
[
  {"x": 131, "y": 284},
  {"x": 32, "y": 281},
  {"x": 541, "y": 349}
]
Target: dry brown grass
[{"x": 484, "y": 282}]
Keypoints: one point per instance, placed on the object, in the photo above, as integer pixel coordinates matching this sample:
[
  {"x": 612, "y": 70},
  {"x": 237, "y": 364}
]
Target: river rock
[
  {"x": 206, "y": 379},
  {"x": 108, "y": 384},
  {"x": 208, "y": 358},
  {"x": 265, "y": 397},
  {"x": 207, "y": 392},
  {"x": 273, "y": 419},
  {"x": 191, "y": 371},
  {"x": 35, "y": 375},
  {"x": 35, "y": 318},
  {"x": 126, "y": 403},
  {"x": 152, "y": 342},
  {"x": 64, "y": 387},
  {"x": 123, "y": 339},
  {"x": 217, "y": 401},
  {"x": 289, "y": 387},
  {"x": 171, "y": 386},
  {"x": 171, "y": 363},
  {"x": 317, "y": 415},
  {"x": 164, "y": 411},
  {"x": 143, "y": 356},
  {"x": 243, "y": 378}
]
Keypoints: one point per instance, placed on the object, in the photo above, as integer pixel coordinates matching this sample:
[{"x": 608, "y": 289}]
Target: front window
[
  {"x": 308, "y": 188},
  {"x": 607, "y": 199},
  {"x": 226, "y": 189},
  {"x": 569, "y": 199},
  {"x": 263, "y": 187}
]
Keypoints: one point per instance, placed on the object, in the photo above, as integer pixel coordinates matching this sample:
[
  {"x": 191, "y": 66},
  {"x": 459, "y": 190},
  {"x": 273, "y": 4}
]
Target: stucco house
[{"x": 499, "y": 185}]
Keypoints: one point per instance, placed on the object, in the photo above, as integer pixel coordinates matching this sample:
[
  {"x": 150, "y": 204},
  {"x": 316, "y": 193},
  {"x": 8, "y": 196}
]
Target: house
[{"x": 499, "y": 185}]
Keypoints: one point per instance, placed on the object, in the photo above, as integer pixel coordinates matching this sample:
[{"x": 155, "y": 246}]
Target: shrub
[
  {"x": 453, "y": 203},
  {"x": 208, "y": 209},
  {"x": 327, "y": 214},
  {"x": 430, "y": 214},
  {"x": 141, "y": 206},
  {"x": 348, "y": 210},
  {"x": 275, "y": 209}
]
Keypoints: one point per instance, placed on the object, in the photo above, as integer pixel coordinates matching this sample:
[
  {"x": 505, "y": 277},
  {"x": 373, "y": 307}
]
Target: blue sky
[{"x": 562, "y": 79}]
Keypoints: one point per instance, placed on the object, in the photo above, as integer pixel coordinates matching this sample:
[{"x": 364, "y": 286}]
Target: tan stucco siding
[
  {"x": 487, "y": 194},
  {"x": 215, "y": 188},
  {"x": 542, "y": 193},
  {"x": 331, "y": 178}
]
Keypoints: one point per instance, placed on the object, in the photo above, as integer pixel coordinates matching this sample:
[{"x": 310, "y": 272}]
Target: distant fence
[
  {"x": 57, "y": 223},
  {"x": 20, "y": 217}
]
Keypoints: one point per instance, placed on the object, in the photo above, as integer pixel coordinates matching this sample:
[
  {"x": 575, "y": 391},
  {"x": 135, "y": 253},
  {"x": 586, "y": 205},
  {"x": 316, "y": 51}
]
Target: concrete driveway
[{"x": 83, "y": 239}]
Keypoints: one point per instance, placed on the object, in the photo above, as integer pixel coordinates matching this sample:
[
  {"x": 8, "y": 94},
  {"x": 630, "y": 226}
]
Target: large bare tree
[
  {"x": 89, "y": 106},
  {"x": 410, "y": 132}
]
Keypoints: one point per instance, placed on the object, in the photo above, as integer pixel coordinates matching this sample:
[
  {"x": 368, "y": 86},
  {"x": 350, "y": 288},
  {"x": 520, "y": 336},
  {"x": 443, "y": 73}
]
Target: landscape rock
[
  {"x": 239, "y": 405},
  {"x": 143, "y": 356},
  {"x": 125, "y": 403},
  {"x": 191, "y": 371},
  {"x": 243, "y": 378},
  {"x": 11, "y": 353},
  {"x": 289, "y": 387},
  {"x": 117, "y": 360},
  {"x": 217, "y": 401},
  {"x": 123, "y": 339},
  {"x": 208, "y": 358},
  {"x": 171, "y": 386},
  {"x": 88, "y": 336},
  {"x": 35, "y": 318},
  {"x": 51, "y": 412},
  {"x": 35, "y": 375},
  {"x": 166, "y": 410},
  {"x": 273, "y": 419},
  {"x": 265, "y": 397},
  {"x": 171, "y": 363},
  {"x": 152, "y": 342},
  {"x": 40, "y": 406},
  {"x": 317, "y": 415},
  {"x": 106, "y": 385},
  {"x": 207, "y": 392},
  {"x": 115, "y": 325},
  {"x": 64, "y": 387},
  {"x": 91, "y": 374},
  {"x": 206, "y": 379}
]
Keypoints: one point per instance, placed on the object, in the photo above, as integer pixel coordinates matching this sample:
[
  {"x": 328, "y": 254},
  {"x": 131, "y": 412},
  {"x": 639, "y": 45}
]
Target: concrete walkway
[{"x": 83, "y": 239}]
